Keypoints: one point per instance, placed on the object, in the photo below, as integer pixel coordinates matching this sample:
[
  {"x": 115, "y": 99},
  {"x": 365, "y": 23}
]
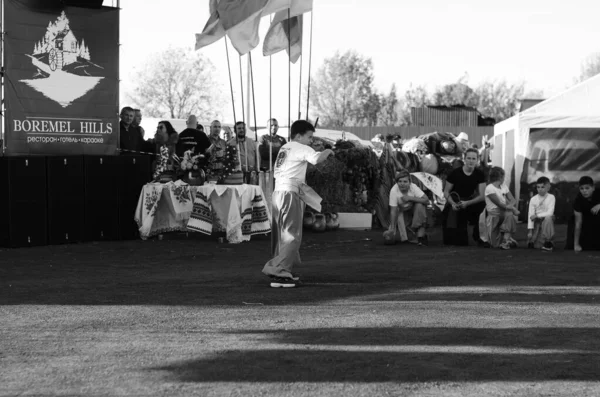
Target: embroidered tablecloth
[{"x": 239, "y": 210}]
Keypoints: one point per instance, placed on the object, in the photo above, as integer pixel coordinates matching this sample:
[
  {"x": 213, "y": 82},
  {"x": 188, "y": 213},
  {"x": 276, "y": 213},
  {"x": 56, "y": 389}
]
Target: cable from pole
[
  {"x": 230, "y": 81},
  {"x": 289, "y": 79},
  {"x": 242, "y": 90},
  {"x": 300, "y": 85},
  {"x": 251, "y": 71},
  {"x": 309, "y": 63}
]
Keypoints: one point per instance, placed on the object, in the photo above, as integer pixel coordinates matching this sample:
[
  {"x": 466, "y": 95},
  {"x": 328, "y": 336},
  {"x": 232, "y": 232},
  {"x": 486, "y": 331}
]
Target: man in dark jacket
[
  {"x": 193, "y": 137},
  {"x": 131, "y": 140}
]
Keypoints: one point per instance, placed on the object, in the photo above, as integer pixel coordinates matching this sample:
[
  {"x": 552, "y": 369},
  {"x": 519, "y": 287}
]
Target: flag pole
[
  {"x": 242, "y": 89},
  {"x": 271, "y": 178},
  {"x": 251, "y": 73},
  {"x": 251, "y": 79},
  {"x": 248, "y": 76},
  {"x": 230, "y": 81},
  {"x": 309, "y": 63},
  {"x": 289, "y": 80},
  {"x": 300, "y": 84}
]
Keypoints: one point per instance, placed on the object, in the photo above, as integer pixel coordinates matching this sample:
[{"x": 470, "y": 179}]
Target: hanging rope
[
  {"x": 242, "y": 90},
  {"x": 230, "y": 81},
  {"x": 289, "y": 79},
  {"x": 300, "y": 90},
  {"x": 309, "y": 64},
  {"x": 251, "y": 71}
]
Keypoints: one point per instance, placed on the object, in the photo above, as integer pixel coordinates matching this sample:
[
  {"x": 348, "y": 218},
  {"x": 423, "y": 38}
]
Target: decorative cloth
[
  {"x": 181, "y": 197},
  {"x": 201, "y": 219},
  {"x": 245, "y": 211}
]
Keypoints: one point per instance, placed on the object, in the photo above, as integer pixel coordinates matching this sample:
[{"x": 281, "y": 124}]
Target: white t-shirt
[
  {"x": 501, "y": 192},
  {"x": 292, "y": 160},
  {"x": 541, "y": 207},
  {"x": 396, "y": 195}
]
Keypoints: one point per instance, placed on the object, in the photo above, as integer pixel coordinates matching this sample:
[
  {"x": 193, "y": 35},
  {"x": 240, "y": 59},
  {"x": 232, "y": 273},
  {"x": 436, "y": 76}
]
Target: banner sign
[{"x": 62, "y": 79}]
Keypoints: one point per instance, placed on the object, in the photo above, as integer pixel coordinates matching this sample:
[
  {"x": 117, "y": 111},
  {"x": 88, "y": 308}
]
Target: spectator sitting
[
  {"x": 407, "y": 207},
  {"x": 587, "y": 216},
  {"x": 192, "y": 138},
  {"x": 540, "y": 217},
  {"x": 465, "y": 195},
  {"x": 499, "y": 205}
]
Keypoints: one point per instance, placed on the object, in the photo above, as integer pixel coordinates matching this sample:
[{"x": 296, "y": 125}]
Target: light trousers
[
  {"x": 288, "y": 211},
  {"x": 499, "y": 222},
  {"x": 543, "y": 230}
]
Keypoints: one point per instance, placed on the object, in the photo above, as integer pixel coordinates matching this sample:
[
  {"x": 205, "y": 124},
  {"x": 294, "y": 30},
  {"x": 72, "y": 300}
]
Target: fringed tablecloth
[{"x": 239, "y": 210}]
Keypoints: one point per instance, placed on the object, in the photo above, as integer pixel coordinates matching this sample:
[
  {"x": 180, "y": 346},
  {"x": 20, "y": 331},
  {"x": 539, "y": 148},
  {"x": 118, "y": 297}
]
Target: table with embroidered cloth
[{"x": 238, "y": 210}]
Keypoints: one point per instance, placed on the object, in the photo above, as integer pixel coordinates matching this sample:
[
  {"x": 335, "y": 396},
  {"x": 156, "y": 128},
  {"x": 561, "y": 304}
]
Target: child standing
[
  {"x": 499, "y": 204},
  {"x": 540, "y": 217},
  {"x": 587, "y": 216}
]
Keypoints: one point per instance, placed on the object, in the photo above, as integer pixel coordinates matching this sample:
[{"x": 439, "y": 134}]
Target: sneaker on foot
[
  {"x": 505, "y": 245},
  {"x": 283, "y": 282},
  {"x": 548, "y": 246},
  {"x": 423, "y": 241},
  {"x": 483, "y": 244},
  {"x": 295, "y": 277},
  {"x": 530, "y": 245}
]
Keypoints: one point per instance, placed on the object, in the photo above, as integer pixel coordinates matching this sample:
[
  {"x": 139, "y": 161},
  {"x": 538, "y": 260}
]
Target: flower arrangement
[{"x": 189, "y": 161}]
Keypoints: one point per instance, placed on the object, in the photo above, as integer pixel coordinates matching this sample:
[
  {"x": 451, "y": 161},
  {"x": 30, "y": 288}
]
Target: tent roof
[
  {"x": 576, "y": 107},
  {"x": 579, "y": 100}
]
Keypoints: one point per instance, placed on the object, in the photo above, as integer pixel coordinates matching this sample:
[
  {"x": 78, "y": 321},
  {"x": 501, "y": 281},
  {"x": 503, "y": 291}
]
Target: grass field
[{"x": 182, "y": 317}]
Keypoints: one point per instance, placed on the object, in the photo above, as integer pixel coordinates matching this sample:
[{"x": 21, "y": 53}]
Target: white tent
[{"x": 558, "y": 138}]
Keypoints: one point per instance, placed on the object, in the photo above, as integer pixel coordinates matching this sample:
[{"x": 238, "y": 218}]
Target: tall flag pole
[
  {"x": 289, "y": 80},
  {"x": 242, "y": 89},
  {"x": 300, "y": 89},
  {"x": 309, "y": 63},
  {"x": 253, "y": 97},
  {"x": 230, "y": 81}
]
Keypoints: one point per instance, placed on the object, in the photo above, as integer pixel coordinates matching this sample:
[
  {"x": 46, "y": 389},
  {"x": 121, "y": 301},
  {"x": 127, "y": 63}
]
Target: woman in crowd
[
  {"x": 500, "y": 207},
  {"x": 166, "y": 139}
]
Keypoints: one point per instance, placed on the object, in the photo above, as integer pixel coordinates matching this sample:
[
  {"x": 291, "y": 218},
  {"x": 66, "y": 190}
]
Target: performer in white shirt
[{"x": 289, "y": 199}]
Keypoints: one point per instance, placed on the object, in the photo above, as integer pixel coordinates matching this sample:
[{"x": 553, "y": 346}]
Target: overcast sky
[{"x": 432, "y": 42}]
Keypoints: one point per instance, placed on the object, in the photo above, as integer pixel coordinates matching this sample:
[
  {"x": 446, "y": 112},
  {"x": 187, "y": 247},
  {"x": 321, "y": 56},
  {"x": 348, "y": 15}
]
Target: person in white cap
[{"x": 462, "y": 142}]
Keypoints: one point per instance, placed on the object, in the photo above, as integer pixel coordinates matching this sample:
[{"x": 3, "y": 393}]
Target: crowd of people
[
  {"x": 252, "y": 155},
  {"x": 472, "y": 197},
  {"x": 489, "y": 207}
]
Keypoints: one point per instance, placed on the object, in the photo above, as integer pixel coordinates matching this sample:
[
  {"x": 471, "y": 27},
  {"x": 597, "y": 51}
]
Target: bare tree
[
  {"x": 589, "y": 67},
  {"x": 175, "y": 83}
]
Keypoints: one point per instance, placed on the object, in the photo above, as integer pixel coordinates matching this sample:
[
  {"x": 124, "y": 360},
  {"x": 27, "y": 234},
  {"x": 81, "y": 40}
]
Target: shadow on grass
[
  {"x": 328, "y": 366},
  {"x": 585, "y": 339},
  {"x": 341, "y": 265},
  {"x": 405, "y": 355}
]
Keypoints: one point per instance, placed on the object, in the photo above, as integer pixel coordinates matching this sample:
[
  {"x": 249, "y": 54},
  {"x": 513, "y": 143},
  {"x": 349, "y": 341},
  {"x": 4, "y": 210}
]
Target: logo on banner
[{"x": 65, "y": 70}]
